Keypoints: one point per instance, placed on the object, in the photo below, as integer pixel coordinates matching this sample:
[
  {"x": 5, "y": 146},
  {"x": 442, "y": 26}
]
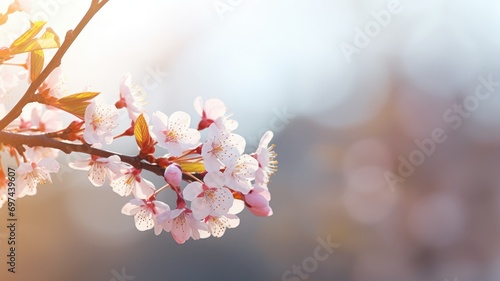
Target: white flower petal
[
  {"x": 123, "y": 185},
  {"x": 198, "y": 105},
  {"x": 200, "y": 208},
  {"x": 49, "y": 164},
  {"x": 224, "y": 201},
  {"x": 215, "y": 108},
  {"x": 131, "y": 208},
  {"x": 238, "y": 206},
  {"x": 179, "y": 121},
  {"x": 143, "y": 189},
  {"x": 214, "y": 179},
  {"x": 144, "y": 219},
  {"x": 81, "y": 165},
  {"x": 192, "y": 190},
  {"x": 97, "y": 174}
]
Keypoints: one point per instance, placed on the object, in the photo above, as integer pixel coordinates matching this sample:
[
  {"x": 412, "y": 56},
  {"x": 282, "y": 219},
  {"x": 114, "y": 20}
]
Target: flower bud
[
  {"x": 173, "y": 175},
  {"x": 257, "y": 201}
]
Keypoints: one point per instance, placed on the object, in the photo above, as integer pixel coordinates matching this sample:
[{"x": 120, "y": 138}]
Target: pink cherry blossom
[
  {"x": 217, "y": 225},
  {"x": 146, "y": 213},
  {"x": 212, "y": 110},
  {"x": 55, "y": 83},
  {"x": 30, "y": 175},
  {"x": 257, "y": 201},
  {"x": 221, "y": 147},
  {"x": 99, "y": 168},
  {"x": 37, "y": 153},
  {"x": 227, "y": 124},
  {"x": 45, "y": 120},
  {"x": 132, "y": 182},
  {"x": 240, "y": 173},
  {"x": 174, "y": 133},
  {"x": 266, "y": 158},
  {"x": 35, "y": 118},
  {"x": 100, "y": 121},
  {"x": 131, "y": 97},
  {"x": 209, "y": 198},
  {"x": 182, "y": 224}
]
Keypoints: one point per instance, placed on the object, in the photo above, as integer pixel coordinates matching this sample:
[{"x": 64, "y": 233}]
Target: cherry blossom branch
[
  {"x": 17, "y": 140},
  {"x": 30, "y": 96}
]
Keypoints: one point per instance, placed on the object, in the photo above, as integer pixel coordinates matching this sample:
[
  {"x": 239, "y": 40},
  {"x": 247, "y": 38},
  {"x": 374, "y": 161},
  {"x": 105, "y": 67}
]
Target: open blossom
[
  {"x": 131, "y": 97},
  {"x": 266, "y": 158},
  {"x": 37, "y": 153},
  {"x": 99, "y": 168},
  {"x": 30, "y": 175},
  {"x": 182, "y": 224},
  {"x": 45, "y": 120},
  {"x": 221, "y": 147},
  {"x": 54, "y": 83},
  {"x": 145, "y": 213},
  {"x": 257, "y": 201},
  {"x": 132, "y": 182},
  {"x": 210, "y": 198},
  {"x": 100, "y": 121},
  {"x": 240, "y": 173},
  {"x": 213, "y": 111},
  {"x": 217, "y": 225},
  {"x": 225, "y": 123},
  {"x": 35, "y": 119},
  {"x": 209, "y": 112},
  {"x": 173, "y": 133},
  {"x": 38, "y": 119}
]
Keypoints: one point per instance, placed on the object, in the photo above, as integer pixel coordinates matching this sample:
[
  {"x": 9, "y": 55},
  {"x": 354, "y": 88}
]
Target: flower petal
[{"x": 192, "y": 190}]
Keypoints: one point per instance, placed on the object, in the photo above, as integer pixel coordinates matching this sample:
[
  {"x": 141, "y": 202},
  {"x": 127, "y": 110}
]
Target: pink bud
[
  {"x": 173, "y": 175},
  {"x": 262, "y": 212},
  {"x": 258, "y": 202}
]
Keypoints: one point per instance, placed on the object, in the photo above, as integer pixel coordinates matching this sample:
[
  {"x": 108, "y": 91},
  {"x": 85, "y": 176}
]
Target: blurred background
[{"x": 348, "y": 87}]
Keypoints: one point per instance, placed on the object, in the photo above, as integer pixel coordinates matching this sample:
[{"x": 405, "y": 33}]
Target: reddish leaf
[{"x": 142, "y": 136}]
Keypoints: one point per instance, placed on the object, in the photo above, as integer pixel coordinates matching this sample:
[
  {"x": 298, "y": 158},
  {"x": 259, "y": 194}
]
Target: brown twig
[
  {"x": 14, "y": 140},
  {"x": 17, "y": 140},
  {"x": 71, "y": 35}
]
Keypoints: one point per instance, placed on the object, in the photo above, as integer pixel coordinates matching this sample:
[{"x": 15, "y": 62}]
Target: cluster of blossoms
[
  {"x": 211, "y": 177},
  {"x": 220, "y": 180}
]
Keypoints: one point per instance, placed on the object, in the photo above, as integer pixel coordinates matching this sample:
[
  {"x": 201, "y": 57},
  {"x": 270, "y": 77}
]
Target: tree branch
[
  {"x": 71, "y": 35},
  {"x": 17, "y": 140}
]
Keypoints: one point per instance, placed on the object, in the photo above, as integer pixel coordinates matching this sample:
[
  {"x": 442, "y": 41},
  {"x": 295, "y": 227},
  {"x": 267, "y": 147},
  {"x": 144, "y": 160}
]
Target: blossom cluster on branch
[{"x": 205, "y": 167}]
